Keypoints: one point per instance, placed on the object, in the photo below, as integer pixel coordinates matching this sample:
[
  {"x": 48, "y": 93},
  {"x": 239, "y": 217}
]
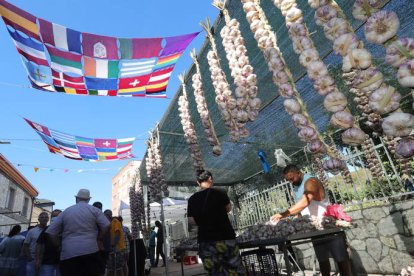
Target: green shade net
[{"x": 273, "y": 128}]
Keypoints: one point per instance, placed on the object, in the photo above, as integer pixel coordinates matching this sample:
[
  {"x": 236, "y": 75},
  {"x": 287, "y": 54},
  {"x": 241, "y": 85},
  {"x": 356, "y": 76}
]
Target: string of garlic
[
  {"x": 227, "y": 104},
  {"x": 248, "y": 104},
  {"x": 381, "y": 27},
  {"x": 134, "y": 207},
  {"x": 202, "y": 108},
  {"x": 190, "y": 134},
  {"x": 282, "y": 77},
  {"x": 324, "y": 84},
  {"x": 335, "y": 101},
  {"x": 363, "y": 78}
]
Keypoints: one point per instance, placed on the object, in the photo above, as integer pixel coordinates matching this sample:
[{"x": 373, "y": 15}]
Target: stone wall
[{"x": 381, "y": 240}]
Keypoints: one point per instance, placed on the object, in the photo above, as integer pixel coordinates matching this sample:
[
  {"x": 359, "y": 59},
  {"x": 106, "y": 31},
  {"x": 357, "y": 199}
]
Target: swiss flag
[
  {"x": 105, "y": 143},
  {"x": 134, "y": 82}
]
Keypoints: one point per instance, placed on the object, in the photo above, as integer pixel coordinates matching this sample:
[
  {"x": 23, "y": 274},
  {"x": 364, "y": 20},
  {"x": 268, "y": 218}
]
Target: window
[
  {"x": 25, "y": 206},
  {"x": 10, "y": 199}
]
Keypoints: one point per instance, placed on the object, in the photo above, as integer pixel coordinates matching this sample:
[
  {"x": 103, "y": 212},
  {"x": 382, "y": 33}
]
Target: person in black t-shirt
[{"x": 208, "y": 209}]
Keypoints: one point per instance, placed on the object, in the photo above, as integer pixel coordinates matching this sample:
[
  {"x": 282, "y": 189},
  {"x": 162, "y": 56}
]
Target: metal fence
[{"x": 365, "y": 191}]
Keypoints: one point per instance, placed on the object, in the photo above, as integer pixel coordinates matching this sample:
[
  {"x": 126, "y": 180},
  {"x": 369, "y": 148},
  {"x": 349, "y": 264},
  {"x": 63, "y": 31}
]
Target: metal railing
[{"x": 364, "y": 191}]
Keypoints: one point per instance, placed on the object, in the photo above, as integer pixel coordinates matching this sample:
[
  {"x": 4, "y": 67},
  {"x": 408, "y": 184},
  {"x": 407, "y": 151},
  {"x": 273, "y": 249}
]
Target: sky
[{"x": 88, "y": 116}]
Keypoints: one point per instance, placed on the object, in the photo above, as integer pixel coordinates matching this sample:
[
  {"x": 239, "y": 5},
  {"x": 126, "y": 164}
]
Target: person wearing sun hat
[{"x": 78, "y": 226}]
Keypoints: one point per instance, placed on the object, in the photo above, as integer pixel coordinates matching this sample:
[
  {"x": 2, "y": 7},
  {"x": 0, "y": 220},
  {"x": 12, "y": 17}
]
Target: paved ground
[{"x": 174, "y": 269}]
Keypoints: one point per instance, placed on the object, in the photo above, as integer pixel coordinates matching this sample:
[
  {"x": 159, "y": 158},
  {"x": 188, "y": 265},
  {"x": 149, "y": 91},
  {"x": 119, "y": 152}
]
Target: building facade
[
  {"x": 121, "y": 183},
  {"x": 17, "y": 197}
]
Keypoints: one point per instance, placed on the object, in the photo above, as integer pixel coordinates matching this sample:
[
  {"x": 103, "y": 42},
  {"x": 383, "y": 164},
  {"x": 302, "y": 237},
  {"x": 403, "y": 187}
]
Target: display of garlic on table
[
  {"x": 288, "y": 227},
  {"x": 189, "y": 130}
]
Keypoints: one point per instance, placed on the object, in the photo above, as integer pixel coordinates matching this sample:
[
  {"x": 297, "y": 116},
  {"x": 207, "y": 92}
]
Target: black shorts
[
  {"x": 334, "y": 247},
  {"x": 85, "y": 265}
]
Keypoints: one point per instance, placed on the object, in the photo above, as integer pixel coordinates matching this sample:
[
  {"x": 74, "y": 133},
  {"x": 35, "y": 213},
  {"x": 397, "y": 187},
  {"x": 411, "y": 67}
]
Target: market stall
[{"x": 331, "y": 79}]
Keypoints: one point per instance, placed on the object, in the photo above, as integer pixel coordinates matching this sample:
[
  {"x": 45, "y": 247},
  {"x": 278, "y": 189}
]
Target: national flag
[
  {"x": 159, "y": 80},
  {"x": 88, "y": 153},
  {"x": 38, "y": 127},
  {"x": 19, "y": 19},
  {"x": 83, "y": 141},
  {"x": 133, "y": 83},
  {"x": 100, "y": 68},
  {"x": 174, "y": 44},
  {"x": 161, "y": 94},
  {"x": 67, "y": 144},
  {"x": 38, "y": 73},
  {"x": 66, "y": 62},
  {"x": 101, "y": 84},
  {"x": 137, "y": 48},
  {"x": 60, "y": 36},
  {"x": 125, "y": 145},
  {"x": 137, "y": 67},
  {"x": 134, "y": 86},
  {"x": 41, "y": 86},
  {"x": 99, "y": 46},
  {"x": 102, "y": 92},
  {"x": 69, "y": 90},
  {"x": 166, "y": 61},
  {"x": 64, "y": 80},
  {"x": 29, "y": 48},
  {"x": 105, "y": 143}
]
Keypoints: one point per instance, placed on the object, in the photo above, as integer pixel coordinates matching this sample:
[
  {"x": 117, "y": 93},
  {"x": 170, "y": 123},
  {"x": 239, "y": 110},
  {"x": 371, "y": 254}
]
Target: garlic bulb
[
  {"x": 384, "y": 100},
  {"x": 325, "y": 13},
  {"x": 356, "y": 58},
  {"x": 307, "y": 134},
  {"x": 316, "y": 147},
  {"x": 400, "y": 51},
  {"x": 382, "y": 26},
  {"x": 398, "y": 124},
  {"x": 405, "y": 147},
  {"x": 353, "y": 136},
  {"x": 336, "y": 27},
  {"x": 405, "y": 74},
  {"x": 345, "y": 43},
  {"x": 334, "y": 165},
  {"x": 318, "y": 3},
  {"x": 335, "y": 101},
  {"x": 292, "y": 106},
  {"x": 342, "y": 119},
  {"x": 299, "y": 120},
  {"x": 368, "y": 80},
  {"x": 363, "y": 9}
]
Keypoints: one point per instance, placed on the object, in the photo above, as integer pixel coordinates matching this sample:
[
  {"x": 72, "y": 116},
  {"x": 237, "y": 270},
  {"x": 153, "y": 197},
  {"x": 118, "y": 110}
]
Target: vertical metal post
[{"x": 164, "y": 237}]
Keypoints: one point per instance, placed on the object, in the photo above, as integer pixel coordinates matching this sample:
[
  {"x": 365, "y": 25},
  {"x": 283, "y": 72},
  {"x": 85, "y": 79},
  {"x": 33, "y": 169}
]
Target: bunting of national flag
[
  {"x": 83, "y": 148},
  {"x": 89, "y": 64}
]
